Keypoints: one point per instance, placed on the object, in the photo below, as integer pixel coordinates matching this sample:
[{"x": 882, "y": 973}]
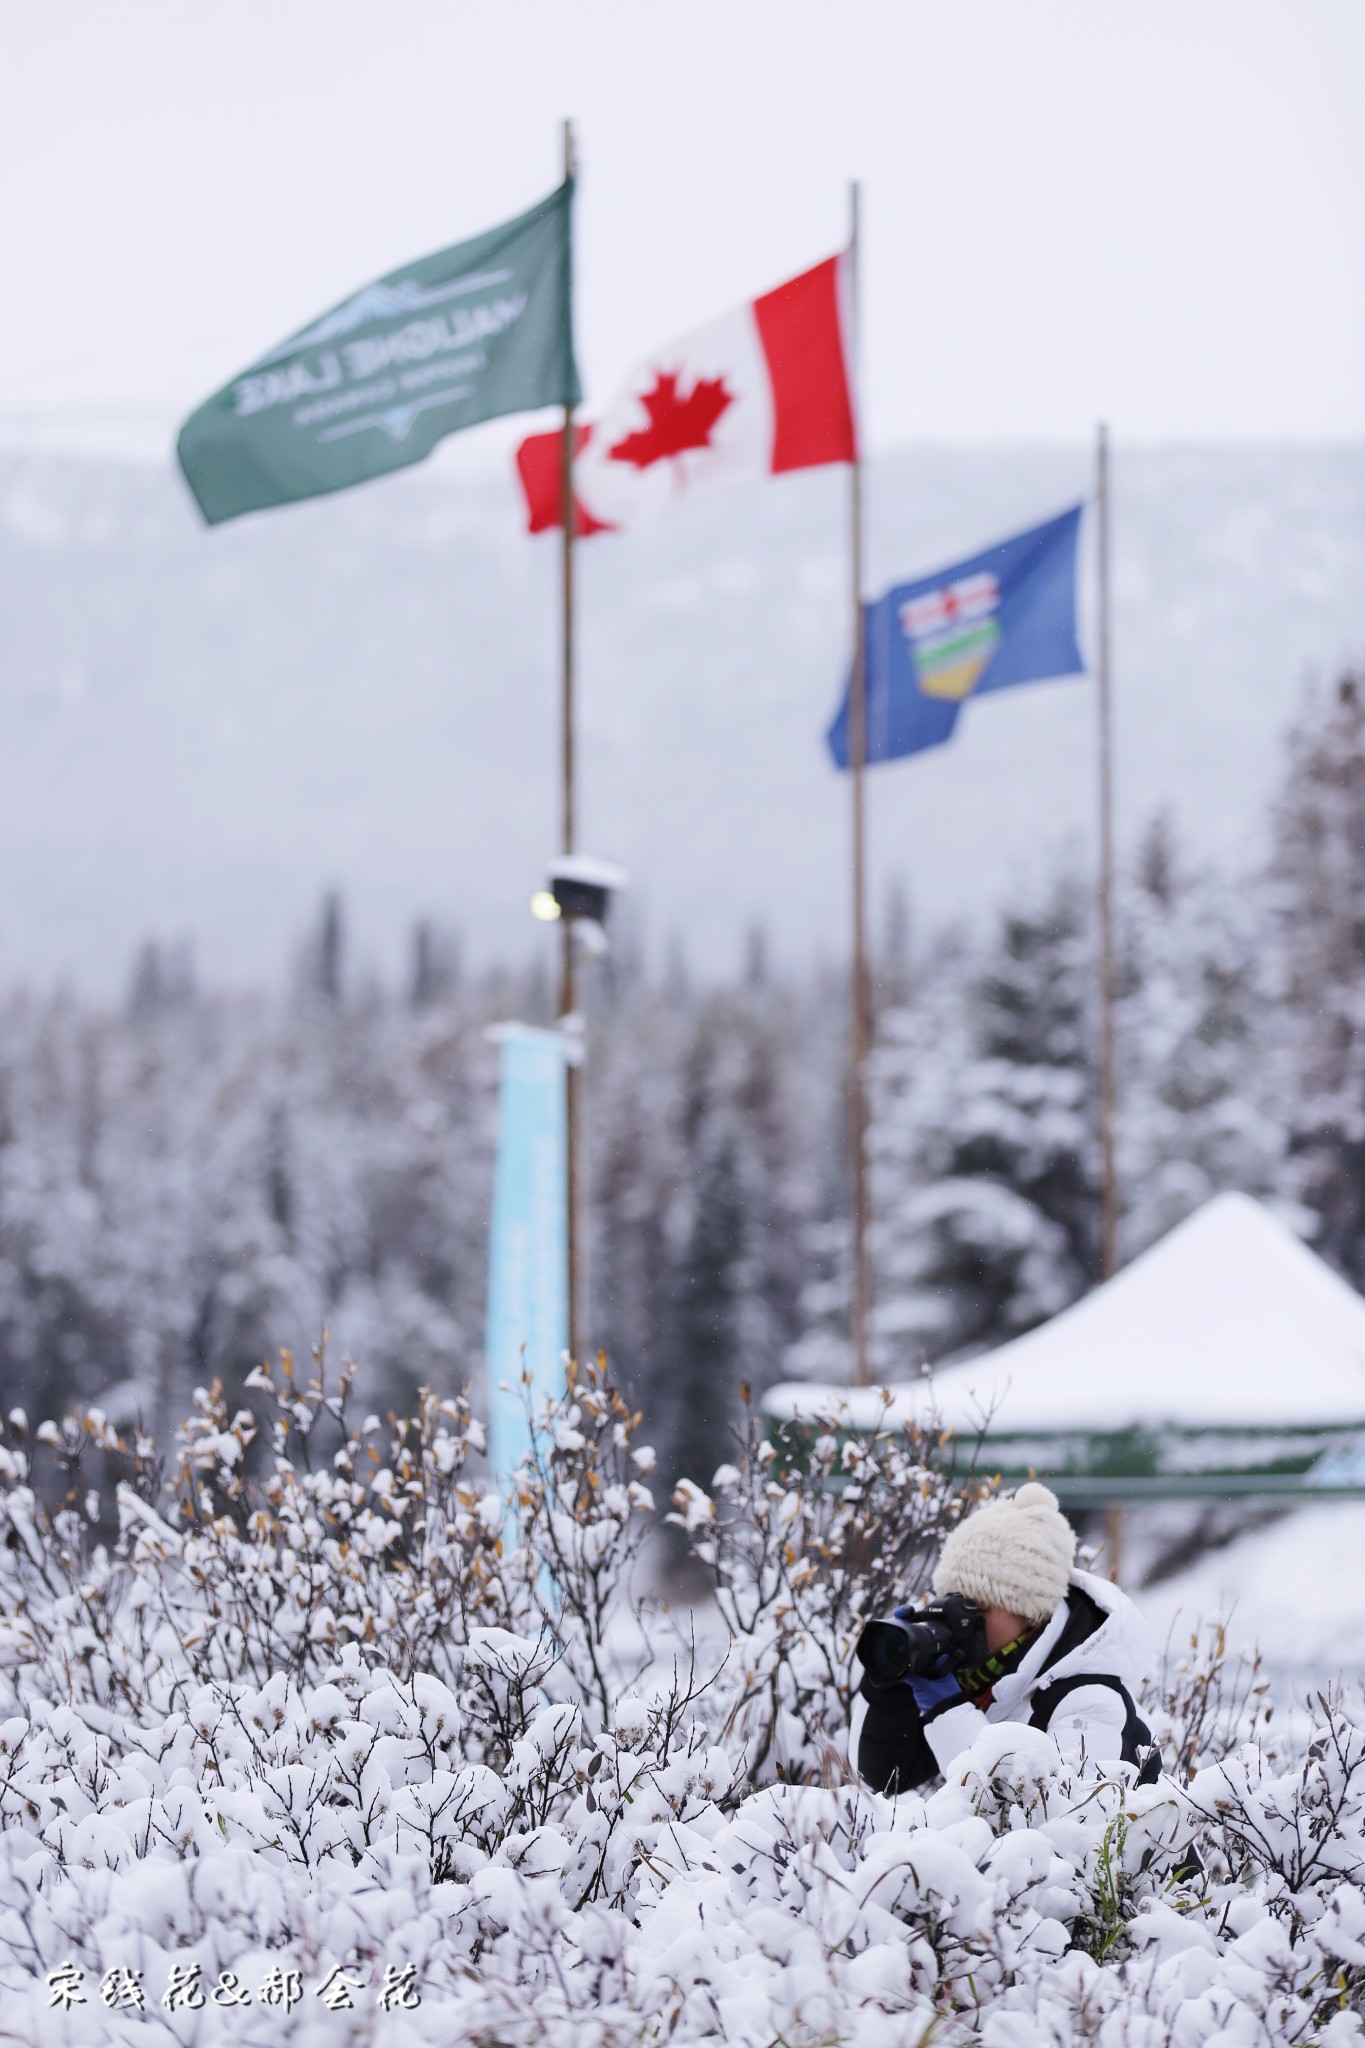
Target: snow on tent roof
[{"x": 1229, "y": 1322}]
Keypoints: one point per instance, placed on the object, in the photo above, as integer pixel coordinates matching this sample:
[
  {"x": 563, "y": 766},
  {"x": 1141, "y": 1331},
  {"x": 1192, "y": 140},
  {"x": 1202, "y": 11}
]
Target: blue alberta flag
[{"x": 1005, "y": 616}]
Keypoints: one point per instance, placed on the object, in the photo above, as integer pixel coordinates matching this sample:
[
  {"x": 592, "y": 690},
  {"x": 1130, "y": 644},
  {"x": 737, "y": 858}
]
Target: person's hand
[{"x": 936, "y": 1690}]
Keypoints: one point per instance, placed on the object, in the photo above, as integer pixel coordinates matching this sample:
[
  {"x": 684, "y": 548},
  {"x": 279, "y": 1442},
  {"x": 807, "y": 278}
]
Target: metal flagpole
[
  {"x": 567, "y": 979},
  {"x": 1109, "y": 1204},
  {"x": 857, "y": 756},
  {"x": 1108, "y": 1074}
]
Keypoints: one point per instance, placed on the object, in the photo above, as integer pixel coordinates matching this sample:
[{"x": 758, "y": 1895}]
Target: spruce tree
[
  {"x": 702, "y": 1394},
  {"x": 1200, "y": 1079},
  {"x": 985, "y": 1153},
  {"x": 1319, "y": 882}
]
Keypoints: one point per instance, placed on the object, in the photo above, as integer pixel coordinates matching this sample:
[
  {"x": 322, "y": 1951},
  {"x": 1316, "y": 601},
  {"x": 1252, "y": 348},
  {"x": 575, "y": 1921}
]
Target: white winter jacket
[{"x": 1081, "y": 1680}]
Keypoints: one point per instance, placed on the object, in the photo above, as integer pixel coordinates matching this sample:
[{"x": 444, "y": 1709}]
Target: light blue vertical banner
[{"x": 528, "y": 1266}]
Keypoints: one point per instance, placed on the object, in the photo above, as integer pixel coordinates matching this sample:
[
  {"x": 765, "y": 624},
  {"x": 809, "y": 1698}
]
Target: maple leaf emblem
[{"x": 675, "y": 423}]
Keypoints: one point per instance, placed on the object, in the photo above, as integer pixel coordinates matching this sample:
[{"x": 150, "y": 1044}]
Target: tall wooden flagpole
[
  {"x": 568, "y": 994},
  {"x": 857, "y": 757},
  {"x": 1108, "y": 1069}
]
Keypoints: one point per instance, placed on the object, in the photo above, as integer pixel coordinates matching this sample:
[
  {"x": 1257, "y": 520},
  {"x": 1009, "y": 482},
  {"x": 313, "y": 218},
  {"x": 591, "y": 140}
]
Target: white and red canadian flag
[{"x": 765, "y": 389}]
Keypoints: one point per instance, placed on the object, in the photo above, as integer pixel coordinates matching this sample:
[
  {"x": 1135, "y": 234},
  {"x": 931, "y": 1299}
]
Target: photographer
[{"x": 1015, "y": 1635}]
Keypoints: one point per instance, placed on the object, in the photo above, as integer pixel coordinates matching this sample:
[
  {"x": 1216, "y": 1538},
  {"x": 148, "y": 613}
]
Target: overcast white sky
[{"x": 1147, "y": 211}]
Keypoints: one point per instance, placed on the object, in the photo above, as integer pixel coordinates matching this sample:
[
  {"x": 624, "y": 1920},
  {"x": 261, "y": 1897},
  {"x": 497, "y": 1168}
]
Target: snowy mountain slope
[{"x": 201, "y": 730}]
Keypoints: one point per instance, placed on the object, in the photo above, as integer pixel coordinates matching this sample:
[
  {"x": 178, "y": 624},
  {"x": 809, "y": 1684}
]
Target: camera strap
[{"x": 979, "y": 1678}]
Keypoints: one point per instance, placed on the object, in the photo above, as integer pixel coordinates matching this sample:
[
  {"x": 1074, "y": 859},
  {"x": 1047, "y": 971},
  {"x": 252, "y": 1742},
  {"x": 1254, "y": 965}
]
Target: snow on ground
[
  {"x": 281, "y": 1757},
  {"x": 1295, "y": 1586}
]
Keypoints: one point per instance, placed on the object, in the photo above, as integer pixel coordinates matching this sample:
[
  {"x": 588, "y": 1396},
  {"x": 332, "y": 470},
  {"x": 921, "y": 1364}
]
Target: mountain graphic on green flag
[{"x": 476, "y": 331}]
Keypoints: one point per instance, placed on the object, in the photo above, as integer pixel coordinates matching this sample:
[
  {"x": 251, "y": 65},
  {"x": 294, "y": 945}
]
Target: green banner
[{"x": 481, "y": 329}]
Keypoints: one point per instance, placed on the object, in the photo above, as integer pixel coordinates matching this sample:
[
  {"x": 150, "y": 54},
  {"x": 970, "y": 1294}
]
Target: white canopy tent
[{"x": 1228, "y": 1328}]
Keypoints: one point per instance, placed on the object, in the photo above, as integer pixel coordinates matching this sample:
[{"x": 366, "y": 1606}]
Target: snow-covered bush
[
  {"x": 328, "y": 1733},
  {"x": 802, "y": 1544}
]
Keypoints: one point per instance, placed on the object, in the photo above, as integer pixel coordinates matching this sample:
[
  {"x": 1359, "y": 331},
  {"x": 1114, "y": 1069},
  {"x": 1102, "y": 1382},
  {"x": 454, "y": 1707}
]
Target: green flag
[{"x": 481, "y": 329}]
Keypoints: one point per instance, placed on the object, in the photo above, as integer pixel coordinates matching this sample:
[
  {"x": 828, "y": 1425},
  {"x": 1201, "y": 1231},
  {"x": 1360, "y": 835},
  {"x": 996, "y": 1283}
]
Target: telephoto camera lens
[
  {"x": 884, "y": 1651},
  {"x": 893, "y": 1649}
]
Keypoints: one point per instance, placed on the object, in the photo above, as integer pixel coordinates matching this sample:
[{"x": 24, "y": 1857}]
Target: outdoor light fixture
[
  {"x": 579, "y": 891},
  {"x": 583, "y": 887}
]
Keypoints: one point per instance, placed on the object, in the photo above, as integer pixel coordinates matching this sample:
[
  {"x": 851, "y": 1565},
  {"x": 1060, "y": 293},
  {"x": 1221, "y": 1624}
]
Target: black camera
[{"x": 951, "y": 1627}]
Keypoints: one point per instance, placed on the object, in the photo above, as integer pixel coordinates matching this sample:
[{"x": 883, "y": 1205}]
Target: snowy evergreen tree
[
  {"x": 700, "y": 1177},
  {"x": 1199, "y": 1036},
  {"x": 635, "y": 1169},
  {"x": 435, "y": 972},
  {"x": 1319, "y": 903},
  {"x": 985, "y": 1195},
  {"x": 696, "y": 1402}
]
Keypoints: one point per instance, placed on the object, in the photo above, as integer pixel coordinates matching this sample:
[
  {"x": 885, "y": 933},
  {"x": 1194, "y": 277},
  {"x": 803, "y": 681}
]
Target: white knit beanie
[{"x": 1013, "y": 1553}]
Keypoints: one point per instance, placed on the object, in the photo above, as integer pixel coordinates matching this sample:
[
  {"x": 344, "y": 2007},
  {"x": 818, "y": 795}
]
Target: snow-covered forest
[{"x": 195, "y": 1179}]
